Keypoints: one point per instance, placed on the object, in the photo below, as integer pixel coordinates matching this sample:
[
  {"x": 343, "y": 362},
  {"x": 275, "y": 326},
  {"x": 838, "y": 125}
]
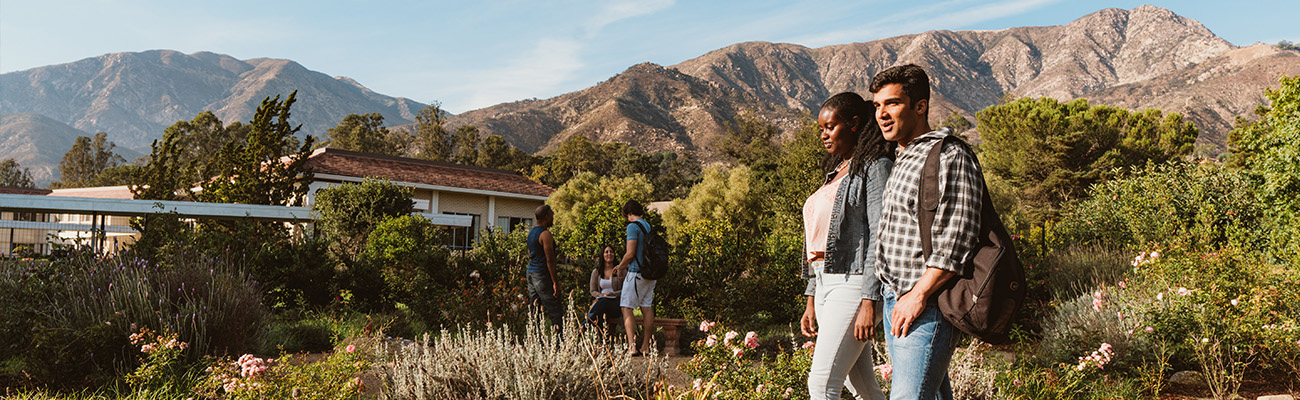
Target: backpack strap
[
  {"x": 645, "y": 235},
  {"x": 927, "y": 201},
  {"x": 928, "y": 197}
]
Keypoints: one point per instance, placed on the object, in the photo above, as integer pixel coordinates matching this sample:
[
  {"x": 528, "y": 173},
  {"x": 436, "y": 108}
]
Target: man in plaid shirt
[{"x": 920, "y": 340}]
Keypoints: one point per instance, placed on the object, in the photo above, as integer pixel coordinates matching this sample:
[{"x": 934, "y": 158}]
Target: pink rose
[
  {"x": 751, "y": 340},
  {"x": 1182, "y": 291},
  {"x": 808, "y": 345},
  {"x": 886, "y": 370},
  {"x": 737, "y": 352},
  {"x": 1234, "y": 302},
  {"x": 706, "y": 325},
  {"x": 711, "y": 340},
  {"x": 351, "y": 348},
  {"x": 1150, "y": 330},
  {"x": 730, "y": 335}
]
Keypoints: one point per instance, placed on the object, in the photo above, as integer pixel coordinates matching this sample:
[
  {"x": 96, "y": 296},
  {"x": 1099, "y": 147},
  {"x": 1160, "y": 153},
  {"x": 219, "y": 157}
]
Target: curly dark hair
[
  {"x": 870, "y": 144},
  {"x": 916, "y": 84}
]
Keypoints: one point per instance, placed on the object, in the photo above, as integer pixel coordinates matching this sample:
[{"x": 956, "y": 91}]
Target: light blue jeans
[{"x": 920, "y": 358}]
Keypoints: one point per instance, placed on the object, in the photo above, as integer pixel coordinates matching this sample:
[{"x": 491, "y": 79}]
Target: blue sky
[{"x": 472, "y": 54}]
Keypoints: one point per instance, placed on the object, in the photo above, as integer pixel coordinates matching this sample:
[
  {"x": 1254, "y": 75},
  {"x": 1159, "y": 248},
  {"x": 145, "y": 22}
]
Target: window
[
  {"x": 508, "y": 224},
  {"x": 462, "y": 238}
]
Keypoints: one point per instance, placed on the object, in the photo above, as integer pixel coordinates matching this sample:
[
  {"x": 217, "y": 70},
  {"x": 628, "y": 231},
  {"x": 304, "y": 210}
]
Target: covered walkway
[{"x": 100, "y": 209}]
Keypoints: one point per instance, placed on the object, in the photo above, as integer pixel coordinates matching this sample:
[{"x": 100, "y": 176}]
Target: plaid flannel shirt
[{"x": 900, "y": 260}]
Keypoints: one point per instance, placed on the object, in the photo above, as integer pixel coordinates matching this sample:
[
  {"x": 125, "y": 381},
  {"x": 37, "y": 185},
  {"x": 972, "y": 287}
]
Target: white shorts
[{"x": 637, "y": 292}]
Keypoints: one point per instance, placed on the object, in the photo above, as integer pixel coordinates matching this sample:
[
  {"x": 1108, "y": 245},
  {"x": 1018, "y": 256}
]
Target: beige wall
[
  {"x": 463, "y": 203},
  {"x": 518, "y": 208}
]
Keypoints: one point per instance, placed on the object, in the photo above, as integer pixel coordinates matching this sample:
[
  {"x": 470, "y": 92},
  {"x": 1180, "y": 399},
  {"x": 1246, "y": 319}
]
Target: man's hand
[
  {"x": 906, "y": 310},
  {"x": 864, "y": 325},
  {"x": 808, "y": 324},
  {"x": 556, "y": 286}
]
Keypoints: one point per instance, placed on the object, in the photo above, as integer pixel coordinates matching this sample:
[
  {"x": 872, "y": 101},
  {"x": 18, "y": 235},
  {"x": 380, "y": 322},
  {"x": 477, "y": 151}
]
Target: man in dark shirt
[{"x": 543, "y": 284}]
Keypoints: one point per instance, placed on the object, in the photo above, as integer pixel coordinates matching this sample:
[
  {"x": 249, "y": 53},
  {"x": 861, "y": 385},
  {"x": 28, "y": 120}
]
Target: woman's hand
[
  {"x": 808, "y": 324},
  {"x": 864, "y": 325}
]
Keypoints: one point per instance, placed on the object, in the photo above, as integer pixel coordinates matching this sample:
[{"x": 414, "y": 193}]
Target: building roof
[
  {"x": 399, "y": 169},
  {"x": 99, "y": 192},
  {"x": 19, "y": 190}
]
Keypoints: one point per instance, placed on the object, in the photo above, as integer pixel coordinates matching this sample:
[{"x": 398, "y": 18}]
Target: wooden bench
[{"x": 672, "y": 332}]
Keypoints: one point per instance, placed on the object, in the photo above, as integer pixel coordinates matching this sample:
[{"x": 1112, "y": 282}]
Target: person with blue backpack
[{"x": 638, "y": 290}]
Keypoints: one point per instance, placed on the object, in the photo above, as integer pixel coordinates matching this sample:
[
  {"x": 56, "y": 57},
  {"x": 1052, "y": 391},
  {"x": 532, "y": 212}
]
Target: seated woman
[{"x": 606, "y": 284}]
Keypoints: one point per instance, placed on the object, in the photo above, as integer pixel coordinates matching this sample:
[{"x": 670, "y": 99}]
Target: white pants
[{"x": 839, "y": 358}]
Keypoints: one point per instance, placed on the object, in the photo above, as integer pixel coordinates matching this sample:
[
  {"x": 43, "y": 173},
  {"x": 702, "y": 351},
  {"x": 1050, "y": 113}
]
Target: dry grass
[{"x": 494, "y": 363}]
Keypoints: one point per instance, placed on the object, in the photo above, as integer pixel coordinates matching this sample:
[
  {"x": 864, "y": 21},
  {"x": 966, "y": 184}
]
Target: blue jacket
[{"x": 851, "y": 242}]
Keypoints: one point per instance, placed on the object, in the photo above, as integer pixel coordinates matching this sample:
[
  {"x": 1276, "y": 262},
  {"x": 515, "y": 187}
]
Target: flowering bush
[
  {"x": 160, "y": 365},
  {"x": 729, "y": 366},
  {"x": 249, "y": 377},
  {"x": 67, "y": 320}
]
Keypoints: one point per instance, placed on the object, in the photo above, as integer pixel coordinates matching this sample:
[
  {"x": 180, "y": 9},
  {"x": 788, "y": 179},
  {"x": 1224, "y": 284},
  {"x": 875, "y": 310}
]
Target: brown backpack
[{"x": 985, "y": 299}]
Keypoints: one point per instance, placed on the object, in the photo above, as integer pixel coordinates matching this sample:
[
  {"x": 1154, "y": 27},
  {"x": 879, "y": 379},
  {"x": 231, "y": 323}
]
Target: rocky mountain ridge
[
  {"x": 1137, "y": 58},
  {"x": 135, "y": 96},
  {"x": 1147, "y": 57}
]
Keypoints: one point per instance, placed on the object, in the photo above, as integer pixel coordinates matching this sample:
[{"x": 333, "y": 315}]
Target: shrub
[
  {"x": 721, "y": 272},
  {"x": 338, "y": 376},
  {"x": 497, "y": 364},
  {"x": 1176, "y": 204},
  {"x": 77, "y": 313},
  {"x": 1075, "y": 270}
]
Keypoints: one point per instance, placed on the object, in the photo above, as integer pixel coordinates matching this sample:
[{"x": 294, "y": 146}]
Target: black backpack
[
  {"x": 982, "y": 302},
  {"x": 654, "y": 258}
]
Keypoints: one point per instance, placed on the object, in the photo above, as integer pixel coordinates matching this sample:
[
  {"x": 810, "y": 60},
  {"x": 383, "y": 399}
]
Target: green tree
[
  {"x": 750, "y": 140},
  {"x": 722, "y": 195},
  {"x": 366, "y": 133},
  {"x": 798, "y": 174},
  {"x": 348, "y": 213},
  {"x": 1048, "y": 153},
  {"x": 1269, "y": 147},
  {"x": 571, "y": 200},
  {"x": 168, "y": 171},
  {"x": 264, "y": 169},
  {"x": 13, "y": 175},
  {"x": 956, "y": 122},
  {"x": 575, "y": 155},
  {"x": 182, "y": 157},
  {"x": 117, "y": 175},
  {"x": 432, "y": 140},
  {"x": 466, "y": 143},
  {"x": 86, "y": 160},
  {"x": 407, "y": 252},
  {"x": 205, "y": 135}
]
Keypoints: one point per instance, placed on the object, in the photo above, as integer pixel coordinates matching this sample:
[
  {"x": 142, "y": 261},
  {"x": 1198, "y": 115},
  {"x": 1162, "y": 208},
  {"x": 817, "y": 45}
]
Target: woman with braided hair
[{"x": 840, "y": 223}]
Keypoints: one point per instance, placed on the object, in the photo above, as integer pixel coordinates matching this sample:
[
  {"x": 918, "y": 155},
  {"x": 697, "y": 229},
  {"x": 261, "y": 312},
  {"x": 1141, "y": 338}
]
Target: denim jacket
[{"x": 854, "y": 222}]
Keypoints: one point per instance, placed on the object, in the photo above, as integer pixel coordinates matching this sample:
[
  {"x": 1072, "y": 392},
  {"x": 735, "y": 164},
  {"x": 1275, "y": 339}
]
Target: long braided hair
[{"x": 870, "y": 144}]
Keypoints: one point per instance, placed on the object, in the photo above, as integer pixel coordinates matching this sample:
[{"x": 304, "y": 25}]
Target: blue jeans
[
  {"x": 920, "y": 358},
  {"x": 604, "y": 310},
  {"x": 542, "y": 292}
]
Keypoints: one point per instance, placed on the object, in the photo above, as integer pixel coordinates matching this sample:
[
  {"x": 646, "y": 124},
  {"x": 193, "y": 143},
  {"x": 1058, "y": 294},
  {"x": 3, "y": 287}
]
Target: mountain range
[{"x": 1147, "y": 57}]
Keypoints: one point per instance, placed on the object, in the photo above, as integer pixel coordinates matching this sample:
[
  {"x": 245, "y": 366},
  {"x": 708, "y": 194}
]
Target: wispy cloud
[
  {"x": 624, "y": 9},
  {"x": 954, "y": 14},
  {"x": 553, "y": 61}
]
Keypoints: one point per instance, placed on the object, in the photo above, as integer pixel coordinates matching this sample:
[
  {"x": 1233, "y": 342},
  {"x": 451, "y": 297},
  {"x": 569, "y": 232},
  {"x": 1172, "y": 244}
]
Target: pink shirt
[{"x": 817, "y": 217}]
